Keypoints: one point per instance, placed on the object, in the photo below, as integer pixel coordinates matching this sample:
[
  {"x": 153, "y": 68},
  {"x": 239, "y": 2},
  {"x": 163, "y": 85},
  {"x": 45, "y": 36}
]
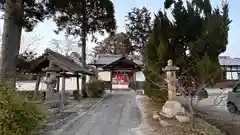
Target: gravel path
[{"x": 116, "y": 115}]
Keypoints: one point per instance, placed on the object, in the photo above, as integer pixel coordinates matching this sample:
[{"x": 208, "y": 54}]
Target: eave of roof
[
  {"x": 131, "y": 62},
  {"x": 63, "y": 62},
  {"x": 105, "y": 59}
]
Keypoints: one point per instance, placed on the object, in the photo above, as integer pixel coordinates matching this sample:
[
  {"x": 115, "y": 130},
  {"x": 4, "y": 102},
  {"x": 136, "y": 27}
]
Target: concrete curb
[
  {"x": 142, "y": 124},
  {"x": 71, "y": 105},
  {"x": 70, "y": 122}
]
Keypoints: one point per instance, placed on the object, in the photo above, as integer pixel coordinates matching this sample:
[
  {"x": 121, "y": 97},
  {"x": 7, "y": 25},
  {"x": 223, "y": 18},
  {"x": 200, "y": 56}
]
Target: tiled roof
[
  {"x": 64, "y": 62},
  {"x": 228, "y": 61},
  {"x": 104, "y": 59}
]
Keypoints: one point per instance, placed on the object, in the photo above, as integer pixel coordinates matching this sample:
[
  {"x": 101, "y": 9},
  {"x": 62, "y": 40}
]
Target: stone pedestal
[
  {"x": 50, "y": 96},
  {"x": 54, "y": 100},
  {"x": 172, "y": 108}
]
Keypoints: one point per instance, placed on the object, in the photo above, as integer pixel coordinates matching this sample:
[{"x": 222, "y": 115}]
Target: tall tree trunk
[
  {"x": 12, "y": 30},
  {"x": 84, "y": 35}
]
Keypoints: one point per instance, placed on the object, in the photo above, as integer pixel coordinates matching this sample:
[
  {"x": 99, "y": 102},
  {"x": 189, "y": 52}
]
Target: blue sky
[{"x": 45, "y": 30}]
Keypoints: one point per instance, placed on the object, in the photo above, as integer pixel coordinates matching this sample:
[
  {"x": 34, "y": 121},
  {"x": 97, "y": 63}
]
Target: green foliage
[
  {"x": 95, "y": 88},
  {"x": 34, "y": 11},
  {"x": 156, "y": 51},
  {"x": 159, "y": 94},
  {"x": 26, "y": 94},
  {"x": 138, "y": 27},
  {"x": 76, "y": 94},
  {"x": 17, "y": 115},
  {"x": 88, "y": 16},
  {"x": 80, "y": 18},
  {"x": 114, "y": 44},
  {"x": 196, "y": 28},
  {"x": 207, "y": 71},
  {"x": 153, "y": 86},
  {"x": 29, "y": 95}
]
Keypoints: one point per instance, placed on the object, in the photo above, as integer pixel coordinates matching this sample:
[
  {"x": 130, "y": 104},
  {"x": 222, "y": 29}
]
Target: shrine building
[{"x": 118, "y": 71}]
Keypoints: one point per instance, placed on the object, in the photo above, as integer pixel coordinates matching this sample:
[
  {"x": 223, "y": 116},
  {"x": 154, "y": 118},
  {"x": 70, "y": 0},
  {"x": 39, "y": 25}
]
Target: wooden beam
[
  {"x": 62, "y": 94},
  {"x": 121, "y": 70},
  {"x": 233, "y": 70},
  {"x": 58, "y": 83},
  {"x": 111, "y": 76}
]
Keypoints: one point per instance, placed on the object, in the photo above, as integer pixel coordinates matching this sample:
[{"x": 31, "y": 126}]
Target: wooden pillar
[
  {"x": 36, "y": 91},
  {"x": 78, "y": 89},
  {"x": 134, "y": 80},
  {"x": 62, "y": 92},
  {"x": 111, "y": 75},
  {"x": 58, "y": 84}
]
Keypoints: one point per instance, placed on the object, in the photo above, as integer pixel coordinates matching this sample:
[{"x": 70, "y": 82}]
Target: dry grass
[{"x": 153, "y": 127}]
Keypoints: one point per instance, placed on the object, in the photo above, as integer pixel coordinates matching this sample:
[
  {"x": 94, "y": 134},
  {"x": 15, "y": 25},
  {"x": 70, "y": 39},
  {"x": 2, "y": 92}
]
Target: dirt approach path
[
  {"x": 116, "y": 115},
  {"x": 150, "y": 126}
]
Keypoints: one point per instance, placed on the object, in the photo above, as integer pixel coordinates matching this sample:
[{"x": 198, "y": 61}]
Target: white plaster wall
[
  {"x": 29, "y": 85},
  {"x": 70, "y": 84},
  {"x": 120, "y": 86},
  {"x": 140, "y": 76},
  {"x": 104, "y": 75}
]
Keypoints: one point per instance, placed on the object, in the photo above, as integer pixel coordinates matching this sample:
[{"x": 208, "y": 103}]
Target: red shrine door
[{"x": 121, "y": 80}]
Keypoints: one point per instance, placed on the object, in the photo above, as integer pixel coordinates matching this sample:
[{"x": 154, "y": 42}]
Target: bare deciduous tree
[
  {"x": 30, "y": 42},
  {"x": 63, "y": 47}
]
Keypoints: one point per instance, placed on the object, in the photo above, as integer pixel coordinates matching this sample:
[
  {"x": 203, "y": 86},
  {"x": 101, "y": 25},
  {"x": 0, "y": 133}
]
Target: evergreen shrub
[
  {"x": 18, "y": 116},
  {"x": 95, "y": 88}
]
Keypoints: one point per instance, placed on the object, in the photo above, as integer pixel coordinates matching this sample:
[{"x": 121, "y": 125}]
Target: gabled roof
[
  {"x": 122, "y": 61},
  {"x": 228, "y": 61},
  {"x": 65, "y": 63},
  {"x": 105, "y": 59}
]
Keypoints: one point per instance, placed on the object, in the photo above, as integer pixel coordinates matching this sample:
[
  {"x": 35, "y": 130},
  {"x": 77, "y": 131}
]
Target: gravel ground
[{"x": 153, "y": 127}]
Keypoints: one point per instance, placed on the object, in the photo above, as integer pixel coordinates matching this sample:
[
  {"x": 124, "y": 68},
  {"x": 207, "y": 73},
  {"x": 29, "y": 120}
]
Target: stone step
[
  {"x": 166, "y": 123},
  {"x": 165, "y": 116},
  {"x": 163, "y": 119},
  {"x": 182, "y": 118}
]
